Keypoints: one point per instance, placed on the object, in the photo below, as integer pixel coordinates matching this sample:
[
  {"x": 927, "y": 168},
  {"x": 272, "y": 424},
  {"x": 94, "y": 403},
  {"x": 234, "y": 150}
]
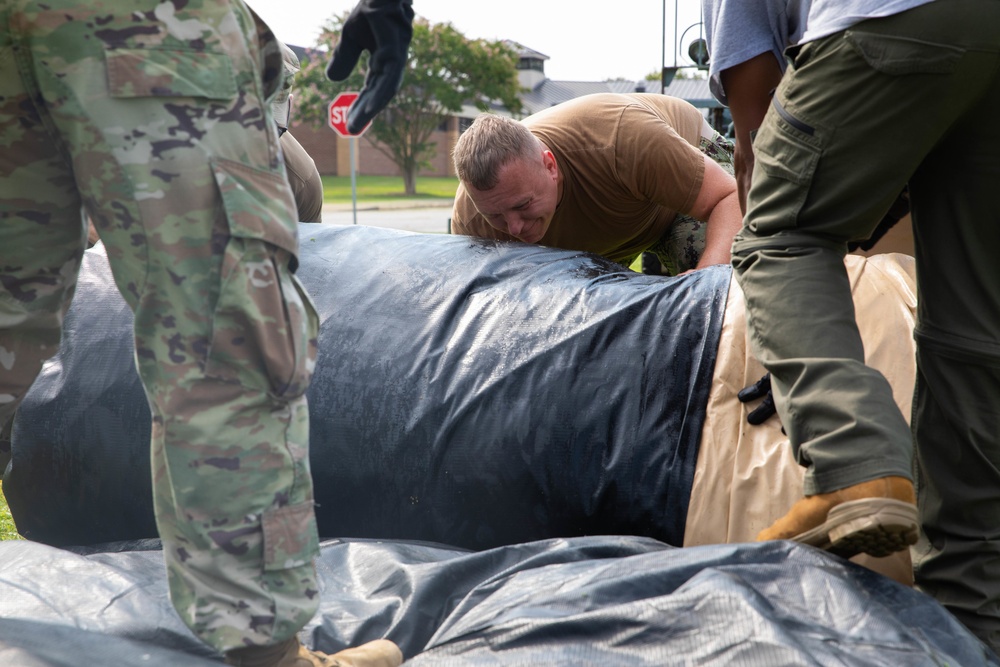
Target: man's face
[{"x": 524, "y": 200}]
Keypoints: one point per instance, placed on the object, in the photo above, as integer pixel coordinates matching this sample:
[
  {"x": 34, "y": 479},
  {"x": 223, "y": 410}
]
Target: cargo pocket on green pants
[
  {"x": 264, "y": 327},
  {"x": 787, "y": 150},
  {"x": 898, "y": 56}
]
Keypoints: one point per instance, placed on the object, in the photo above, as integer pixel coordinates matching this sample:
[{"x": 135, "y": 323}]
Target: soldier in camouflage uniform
[
  {"x": 153, "y": 117},
  {"x": 307, "y": 186}
]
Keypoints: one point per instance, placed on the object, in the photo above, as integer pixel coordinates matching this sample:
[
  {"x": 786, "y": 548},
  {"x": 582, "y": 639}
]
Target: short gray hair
[{"x": 490, "y": 143}]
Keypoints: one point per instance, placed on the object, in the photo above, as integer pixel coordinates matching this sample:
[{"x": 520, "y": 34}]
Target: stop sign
[{"x": 338, "y": 114}]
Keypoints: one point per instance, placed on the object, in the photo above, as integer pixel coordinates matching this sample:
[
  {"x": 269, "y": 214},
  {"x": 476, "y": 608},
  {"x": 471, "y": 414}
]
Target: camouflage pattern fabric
[
  {"x": 154, "y": 118},
  {"x": 303, "y": 177},
  {"x": 280, "y": 104},
  {"x": 680, "y": 248}
]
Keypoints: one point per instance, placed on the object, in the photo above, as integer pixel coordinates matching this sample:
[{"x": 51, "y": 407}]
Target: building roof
[
  {"x": 545, "y": 92},
  {"x": 695, "y": 91},
  {"x": 525, "y": 52},
  {"x": 549, "y": 93}
]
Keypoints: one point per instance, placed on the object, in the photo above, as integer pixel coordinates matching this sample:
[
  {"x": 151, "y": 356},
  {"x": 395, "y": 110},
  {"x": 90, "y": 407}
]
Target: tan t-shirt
[{"x": 630, "y": 163}]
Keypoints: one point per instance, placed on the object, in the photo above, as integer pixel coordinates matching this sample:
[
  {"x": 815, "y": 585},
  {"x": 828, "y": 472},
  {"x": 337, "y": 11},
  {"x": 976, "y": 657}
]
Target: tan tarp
[{"x": 746, "y": 477}]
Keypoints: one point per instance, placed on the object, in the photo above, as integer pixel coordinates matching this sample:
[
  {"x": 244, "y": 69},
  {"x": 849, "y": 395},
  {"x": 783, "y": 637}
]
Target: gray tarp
[{"x": 581, "y": 601}]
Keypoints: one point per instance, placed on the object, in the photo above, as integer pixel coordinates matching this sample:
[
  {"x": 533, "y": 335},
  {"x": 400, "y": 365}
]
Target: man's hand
[
  {"x": 384, "y": 29},
  {"x": 762, "y": 412}
]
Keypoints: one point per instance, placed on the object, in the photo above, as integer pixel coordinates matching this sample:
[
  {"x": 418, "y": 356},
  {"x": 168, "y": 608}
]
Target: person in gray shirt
[{"x": 877, "y": 97}]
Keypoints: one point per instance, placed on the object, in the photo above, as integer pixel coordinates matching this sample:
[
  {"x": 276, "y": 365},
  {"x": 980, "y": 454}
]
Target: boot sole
[{"x": 876, "y": 526}]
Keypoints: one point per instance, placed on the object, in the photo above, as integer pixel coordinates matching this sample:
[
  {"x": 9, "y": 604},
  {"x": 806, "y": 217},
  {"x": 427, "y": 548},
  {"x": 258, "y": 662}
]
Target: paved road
[{"x": 412, "y": 216}]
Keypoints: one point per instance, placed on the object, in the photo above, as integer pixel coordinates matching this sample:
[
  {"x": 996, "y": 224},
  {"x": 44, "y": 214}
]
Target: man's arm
[
  {"x": 748, "y": 88},
  {"x": 719, "y": 205}
]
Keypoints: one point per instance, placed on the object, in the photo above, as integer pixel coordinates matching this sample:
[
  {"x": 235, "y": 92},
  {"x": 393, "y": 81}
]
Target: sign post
[{"x": 338, "y": 123}]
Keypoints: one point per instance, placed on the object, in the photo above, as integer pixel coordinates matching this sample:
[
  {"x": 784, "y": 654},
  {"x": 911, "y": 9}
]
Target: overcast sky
[{"x": 585, "y": 40}]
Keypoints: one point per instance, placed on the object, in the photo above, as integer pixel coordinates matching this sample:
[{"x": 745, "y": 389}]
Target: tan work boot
[
  {"x": 379, "y": 653},
  {"x": 878, "y": 517}
]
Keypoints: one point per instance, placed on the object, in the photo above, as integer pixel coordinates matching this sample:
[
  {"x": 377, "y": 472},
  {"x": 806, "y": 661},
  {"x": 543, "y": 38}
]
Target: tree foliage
[
  {"x": 445, "y": 71},
  {"x": 683, "y": 73}
]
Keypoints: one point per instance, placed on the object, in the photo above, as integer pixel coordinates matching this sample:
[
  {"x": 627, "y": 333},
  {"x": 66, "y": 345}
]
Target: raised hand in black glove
[
  {"x": 762, "y": 412},
  {"x": 384, "y": 29}
]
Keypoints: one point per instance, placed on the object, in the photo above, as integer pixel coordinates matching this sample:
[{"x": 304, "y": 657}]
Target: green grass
[
  {"x": 387, "y": 188},
  {"x": 7, "y": 530}
]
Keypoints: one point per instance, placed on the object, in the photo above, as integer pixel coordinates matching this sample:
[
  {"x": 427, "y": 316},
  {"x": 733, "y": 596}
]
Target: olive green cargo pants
[{"x": 910, "y": 98}]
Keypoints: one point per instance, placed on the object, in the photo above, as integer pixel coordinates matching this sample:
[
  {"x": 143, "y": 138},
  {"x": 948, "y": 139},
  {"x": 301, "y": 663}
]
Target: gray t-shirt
[
  {"x": 738, "y": 30},
  {"x": 829, "y": 16}
]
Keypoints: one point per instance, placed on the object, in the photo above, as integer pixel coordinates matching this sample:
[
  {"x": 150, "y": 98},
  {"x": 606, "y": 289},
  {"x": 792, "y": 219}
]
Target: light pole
[{"x": 697, "y": 50}]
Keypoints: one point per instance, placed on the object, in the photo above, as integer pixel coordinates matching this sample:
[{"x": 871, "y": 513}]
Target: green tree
[
  {"x": 692, "y": 73},
  {"x": 445, "y": 71},
  {"x": 685, "y": 72}
]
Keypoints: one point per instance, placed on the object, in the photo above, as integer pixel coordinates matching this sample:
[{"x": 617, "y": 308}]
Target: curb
[{"x": 390, "y": 205}]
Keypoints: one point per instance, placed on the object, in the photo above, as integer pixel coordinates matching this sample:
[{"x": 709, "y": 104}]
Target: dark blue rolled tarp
[{"x": 468, "y": 392}]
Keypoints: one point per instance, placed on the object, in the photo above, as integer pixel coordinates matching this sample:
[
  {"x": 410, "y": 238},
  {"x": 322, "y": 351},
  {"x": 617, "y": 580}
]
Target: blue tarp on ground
[{"x": 580, "y": 601}]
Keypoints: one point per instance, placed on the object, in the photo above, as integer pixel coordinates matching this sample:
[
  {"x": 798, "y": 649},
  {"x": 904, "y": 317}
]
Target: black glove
[
  {"x": 762, "y": 412},
  {"x": 384, "y": 29}
]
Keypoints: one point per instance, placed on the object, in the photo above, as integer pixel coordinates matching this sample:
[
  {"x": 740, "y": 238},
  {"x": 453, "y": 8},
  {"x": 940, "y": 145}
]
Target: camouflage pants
[
  {"x": 681, "y": 247},
  {"x": 152, "y": 117}
]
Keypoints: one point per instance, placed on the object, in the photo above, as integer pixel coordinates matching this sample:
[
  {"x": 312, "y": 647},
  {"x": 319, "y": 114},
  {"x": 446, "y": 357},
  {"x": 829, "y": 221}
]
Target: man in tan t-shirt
[{"x": 613, "y": 174}]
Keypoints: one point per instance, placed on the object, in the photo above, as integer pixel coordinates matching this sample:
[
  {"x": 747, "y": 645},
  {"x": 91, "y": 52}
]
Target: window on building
[{"x": 536, "y": 64}]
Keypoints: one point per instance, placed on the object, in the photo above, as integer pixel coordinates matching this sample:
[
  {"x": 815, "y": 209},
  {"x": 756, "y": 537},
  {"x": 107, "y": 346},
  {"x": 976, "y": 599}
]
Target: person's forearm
[
  {"x": 748, "y": 87},
  {"x": 722, "y": 226},
  {"x": 743, "y": 166}
]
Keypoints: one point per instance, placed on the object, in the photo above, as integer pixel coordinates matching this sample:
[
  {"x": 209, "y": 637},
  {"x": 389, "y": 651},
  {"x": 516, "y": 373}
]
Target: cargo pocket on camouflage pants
[
  {"x": 264, "y": 327},
  {"x": 263, "y": 338}
]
